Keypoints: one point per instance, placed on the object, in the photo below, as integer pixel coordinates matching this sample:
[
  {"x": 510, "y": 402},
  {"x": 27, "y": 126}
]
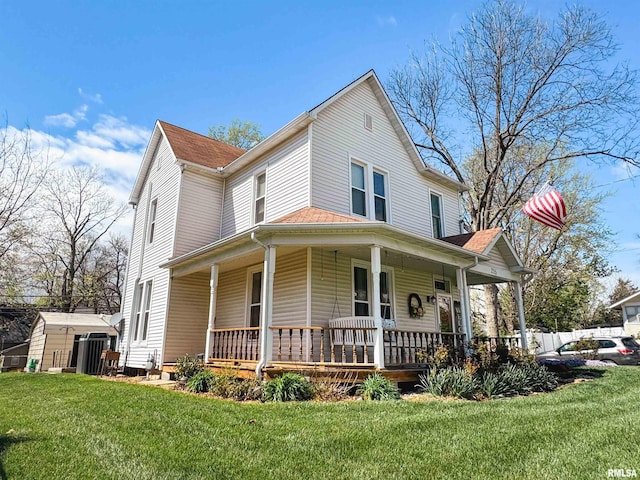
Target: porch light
[{"x": 432, "y": 299}]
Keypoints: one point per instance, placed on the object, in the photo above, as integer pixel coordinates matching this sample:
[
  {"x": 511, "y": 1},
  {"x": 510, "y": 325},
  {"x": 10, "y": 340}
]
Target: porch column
[
  {"x": 213, "y": 291},
  {"x": 517, "y": 290},
  {"x": 266, "y": 310},
  {"x": 463, "y": 292},
  {"x": 378, "y": 346}
]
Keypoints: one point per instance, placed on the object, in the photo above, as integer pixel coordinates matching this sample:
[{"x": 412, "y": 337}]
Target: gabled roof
[
  {"x": 477, "y": 242},
  {"x": 199, "y": 149},
  {"x": 316, "y": 215},
  {"x": 483, "y": 241},
  {"x": 630, "y": 298}
]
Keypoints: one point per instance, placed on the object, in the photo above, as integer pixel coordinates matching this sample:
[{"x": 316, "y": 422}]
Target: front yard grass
[{"x": 80, "y": 427}]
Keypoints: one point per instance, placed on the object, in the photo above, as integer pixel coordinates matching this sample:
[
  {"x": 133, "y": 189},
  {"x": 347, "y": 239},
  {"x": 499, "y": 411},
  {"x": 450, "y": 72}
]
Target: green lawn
[{"x": 74, "y": 426}]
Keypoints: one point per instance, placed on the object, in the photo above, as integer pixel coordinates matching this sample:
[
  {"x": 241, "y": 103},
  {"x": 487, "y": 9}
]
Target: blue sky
[{"x": 90, "y": 78}]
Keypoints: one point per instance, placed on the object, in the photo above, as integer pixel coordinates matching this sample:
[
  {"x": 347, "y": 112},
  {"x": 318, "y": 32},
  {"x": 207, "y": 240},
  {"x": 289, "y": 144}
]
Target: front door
[{"x": 445, "y": 313}]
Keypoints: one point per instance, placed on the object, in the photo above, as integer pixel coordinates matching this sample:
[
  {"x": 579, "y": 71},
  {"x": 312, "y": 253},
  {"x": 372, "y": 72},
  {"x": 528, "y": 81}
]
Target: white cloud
[
  {"x": 387, "y": 21},
  {"x": 112, "y": 144},
  {"x": 61, "y": 120},
  {"x": 95, "y": 98},
  {"x": 625, "y": 171},
  {"x": 121, "y": 131},
  {"x": 68, "y": 120}
]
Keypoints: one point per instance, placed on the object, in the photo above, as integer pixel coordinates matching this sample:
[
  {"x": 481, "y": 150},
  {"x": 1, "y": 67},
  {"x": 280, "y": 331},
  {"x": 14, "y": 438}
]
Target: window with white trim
[
  {"x": 380, "y": 195},
  {"x": 436, "y": 216},
  {"x": 147, "y": 310},
  {"x": 153, "y": 210},
  {"x": 358, "y": 190},
  {"x": 142, "y": 312},
  {"x": 138, "y": 310},
  {"x": 260, "y": 194},
  {"x": 361, "y": 294},
  {"x": 254, "y": 295},
  {"x": 633, "y": 314}
]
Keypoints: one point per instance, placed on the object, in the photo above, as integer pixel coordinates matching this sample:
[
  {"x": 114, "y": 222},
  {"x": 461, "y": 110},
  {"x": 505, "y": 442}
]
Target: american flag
[{"x": 547, "y": 207}]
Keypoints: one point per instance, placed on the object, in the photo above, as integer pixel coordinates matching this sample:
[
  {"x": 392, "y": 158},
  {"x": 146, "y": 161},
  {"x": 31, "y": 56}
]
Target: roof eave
[{"x": 625, "y": 300}]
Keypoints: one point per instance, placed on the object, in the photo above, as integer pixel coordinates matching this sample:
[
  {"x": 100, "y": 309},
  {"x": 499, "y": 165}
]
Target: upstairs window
[
  {"x": 436, "y": 216},
  {"x": 358, "y": 190},
  {"x": 260, "y": 192},
  {"x": 380, "y": 196},
  {"x": 153, "y": 210}
]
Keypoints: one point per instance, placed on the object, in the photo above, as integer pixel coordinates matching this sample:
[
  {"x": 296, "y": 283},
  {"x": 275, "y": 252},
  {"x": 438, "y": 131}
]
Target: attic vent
[
  {"x": 368, "y": 122},
  {"x": 442, "y": 285}
]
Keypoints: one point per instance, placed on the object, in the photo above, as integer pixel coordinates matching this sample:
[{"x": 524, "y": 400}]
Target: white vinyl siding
[
  {"x": 289, "y": 293},
  {"x": 200, "y": 212},
  {"x": 188, "y": 316},
  {"x": 166, "y": 184},
  {"x": 338, "y": 136},
  {"x": 290, "y": 290},
  {"x": 287, "y": 169},
  {"x": 231, "y": 299}
]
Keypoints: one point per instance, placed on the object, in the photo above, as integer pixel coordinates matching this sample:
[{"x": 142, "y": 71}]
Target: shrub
[
  {"x": 441, "y": 357},
  {"x": 539, "y": 378},
  {"x": 509, "y": 380},
  {"x": 201, "y": 382},
  {"x": 228, "y": 385},
  {"x": 515, "y": 380},
  {"x": 187, "y": 366},
  {"x": 288, "y": 387},
  {"x": 491, "y": 385},
  {"x": 335, "y": 388},
  {"x": 378, "y": 387},
  {"x": 449, "y": 382}
]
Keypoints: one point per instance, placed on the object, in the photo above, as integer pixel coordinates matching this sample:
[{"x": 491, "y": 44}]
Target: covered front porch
[{"x": 331, "y": 299}]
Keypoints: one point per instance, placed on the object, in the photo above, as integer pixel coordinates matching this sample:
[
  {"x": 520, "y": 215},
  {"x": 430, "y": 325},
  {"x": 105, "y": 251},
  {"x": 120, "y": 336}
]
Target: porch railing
[
  {"x": 334, "y": 346},
  {"x": 407, "y": 347},
  {"x": 236, "y": 344}
]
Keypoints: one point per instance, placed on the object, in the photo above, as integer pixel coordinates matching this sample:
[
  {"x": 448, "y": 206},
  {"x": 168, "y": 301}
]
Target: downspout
[{"x": 263, "y": 358}]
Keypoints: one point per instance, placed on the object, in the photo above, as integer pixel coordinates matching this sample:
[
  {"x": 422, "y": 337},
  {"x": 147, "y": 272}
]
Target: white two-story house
[{"x": 328, "y": 244}]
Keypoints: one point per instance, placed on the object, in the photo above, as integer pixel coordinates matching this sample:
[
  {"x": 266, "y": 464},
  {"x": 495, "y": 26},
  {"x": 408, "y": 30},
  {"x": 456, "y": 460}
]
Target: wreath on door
[{"x": 415, "y": 306}]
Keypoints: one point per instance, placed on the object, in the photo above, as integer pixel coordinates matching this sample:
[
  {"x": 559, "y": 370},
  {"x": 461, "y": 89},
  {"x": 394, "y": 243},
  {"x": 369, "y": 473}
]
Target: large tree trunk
[{"x": 492, "y": 307}]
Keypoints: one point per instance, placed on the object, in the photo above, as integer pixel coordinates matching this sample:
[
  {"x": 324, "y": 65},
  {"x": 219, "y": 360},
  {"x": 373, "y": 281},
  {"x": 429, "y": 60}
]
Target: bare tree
[
  {"x": 22, "y": 171},
  {"x": 510, "y": 85},
  {"x": 77, "y": 212},
  {"x": 102, "y": 275}
]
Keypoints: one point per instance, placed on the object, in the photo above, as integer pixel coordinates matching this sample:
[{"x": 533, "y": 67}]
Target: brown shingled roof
[
  {"x": 315, "y": 215},
  {"x": 196, "y": 148},
  {"x": 476, "y": 242}
]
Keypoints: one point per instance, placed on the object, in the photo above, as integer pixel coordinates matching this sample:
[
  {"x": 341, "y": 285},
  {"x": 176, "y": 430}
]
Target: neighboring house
[
  {"x": 630, "y": 307},
  {"x": 330, "y": 243},
  {"x": 14, "y": 358},
  {"x": 54, "y": 336}
]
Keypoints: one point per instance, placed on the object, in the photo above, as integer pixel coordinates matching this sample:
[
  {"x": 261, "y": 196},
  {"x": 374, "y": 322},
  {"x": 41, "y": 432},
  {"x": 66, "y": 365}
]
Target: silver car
[{"x": 618, "y": 350}]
